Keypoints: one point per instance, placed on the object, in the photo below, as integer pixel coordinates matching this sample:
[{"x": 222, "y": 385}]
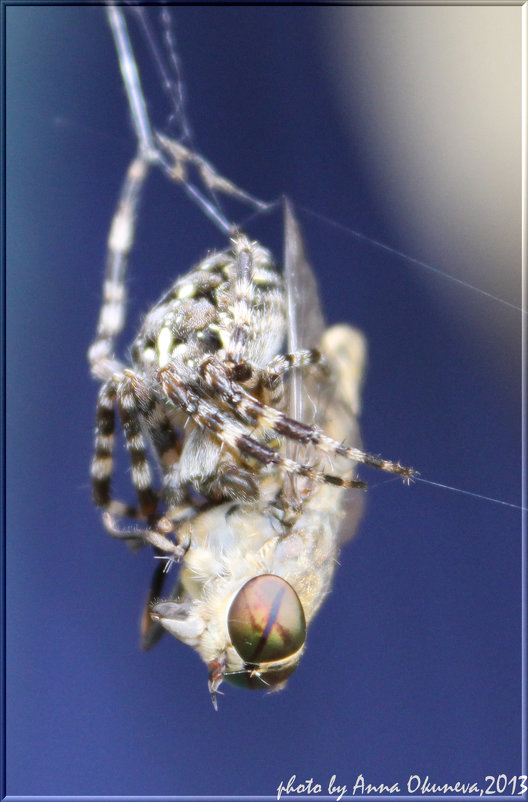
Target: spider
[{"x": 210, "y": 398}]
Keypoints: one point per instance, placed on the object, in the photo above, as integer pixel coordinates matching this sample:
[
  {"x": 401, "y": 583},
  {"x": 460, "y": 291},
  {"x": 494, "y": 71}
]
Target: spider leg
[
  {"x": 284, "y": 363},
  {"x": 102, "y": 462},
  {"x": 167, "y": 441},
  {"x": 242, "y": 302},
  {"x": 131, "y": 406},
  {"x": 155, "y": 534},
  {"x": 176, "y": 168},
  {"x": 102, "y": 465},
  {"x": 120, "y": 240},
  {"x": 232, "y": 482},
  {"x": 233, "y": 434},
  {"x": 137, "y": 405},
  {"x": 134, "y": 404},
  {"x": 250, "y": 408}
]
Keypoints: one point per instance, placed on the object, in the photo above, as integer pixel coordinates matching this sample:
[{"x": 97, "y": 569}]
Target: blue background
[{"x": 413, "y": 665}]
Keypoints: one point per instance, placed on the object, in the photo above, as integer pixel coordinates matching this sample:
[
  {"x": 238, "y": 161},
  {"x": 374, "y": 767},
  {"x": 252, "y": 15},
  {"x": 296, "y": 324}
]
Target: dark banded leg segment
[
  {"x": 102, "y": 463},
  {"x": 234, "y": 435},
  {"x": 285, "y": 363},
  {"x": 129, "y": 400},
  {"x": 250, "y": 409},
  {"x": 135, "y": 404}
]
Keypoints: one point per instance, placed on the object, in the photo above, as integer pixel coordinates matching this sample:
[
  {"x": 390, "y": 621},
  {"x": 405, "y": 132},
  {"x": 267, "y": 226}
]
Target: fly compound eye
[{"x": 266, "y": 620}]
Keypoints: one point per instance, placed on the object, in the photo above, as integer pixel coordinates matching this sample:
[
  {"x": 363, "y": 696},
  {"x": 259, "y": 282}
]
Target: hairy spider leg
[
  {"x": 233, "y": 434},
  {"x": 102, "y": 461},
  {"x": 102, "y": 466},
  {"x": 124, "y": 394},
  {"x": 131, "y": 414},
  {"x": 249, "y": 408},
  {"x": 243, "y": 300},
  {"x": 120, "y": 240}
]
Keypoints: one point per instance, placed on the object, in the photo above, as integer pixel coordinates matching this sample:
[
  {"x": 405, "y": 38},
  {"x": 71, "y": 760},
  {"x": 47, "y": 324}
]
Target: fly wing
[
  {"x": 332, "y": 403},
  {"x": 305, "y": 317},
  {"x": 305, "y": 326}
]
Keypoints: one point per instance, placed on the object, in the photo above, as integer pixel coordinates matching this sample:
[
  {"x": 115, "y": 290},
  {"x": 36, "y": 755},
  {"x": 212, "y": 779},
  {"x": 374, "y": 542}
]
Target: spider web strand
[{"x": 411, "y": 259}]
